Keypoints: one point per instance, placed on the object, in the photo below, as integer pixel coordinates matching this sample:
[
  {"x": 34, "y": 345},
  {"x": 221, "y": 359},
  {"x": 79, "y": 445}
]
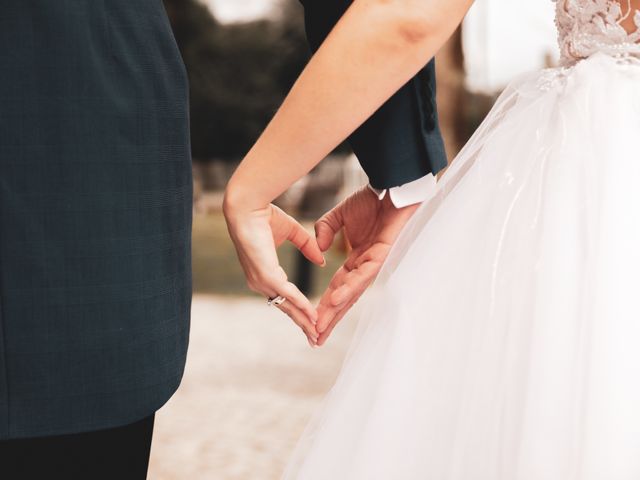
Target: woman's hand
[
  {"x": 256, "y": 234},
  {"x": 375, "y": 48}
]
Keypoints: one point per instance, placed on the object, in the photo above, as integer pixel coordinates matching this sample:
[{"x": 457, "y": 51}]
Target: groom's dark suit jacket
[
  {"x": 401, "y": 141},
  {"x": 95, "y": 214}
]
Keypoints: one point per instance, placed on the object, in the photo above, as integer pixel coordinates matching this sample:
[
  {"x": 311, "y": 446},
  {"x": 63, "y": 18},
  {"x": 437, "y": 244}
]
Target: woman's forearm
[{"x": 375, "y": 48}]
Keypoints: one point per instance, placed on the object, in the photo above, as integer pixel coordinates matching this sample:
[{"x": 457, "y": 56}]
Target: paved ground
[{"x": 251, "y": 383}]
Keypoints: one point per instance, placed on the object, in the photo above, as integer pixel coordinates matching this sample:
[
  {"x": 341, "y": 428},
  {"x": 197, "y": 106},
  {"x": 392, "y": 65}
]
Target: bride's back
[{"x": 589, "y": 26}]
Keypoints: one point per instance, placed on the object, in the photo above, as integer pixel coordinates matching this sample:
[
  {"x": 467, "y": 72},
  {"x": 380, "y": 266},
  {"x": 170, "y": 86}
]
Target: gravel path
[{"x": 250, "y": 386}]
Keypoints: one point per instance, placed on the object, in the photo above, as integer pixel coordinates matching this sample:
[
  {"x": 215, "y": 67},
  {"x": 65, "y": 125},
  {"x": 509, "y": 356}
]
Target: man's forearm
[{"x": 374, "y": 49}]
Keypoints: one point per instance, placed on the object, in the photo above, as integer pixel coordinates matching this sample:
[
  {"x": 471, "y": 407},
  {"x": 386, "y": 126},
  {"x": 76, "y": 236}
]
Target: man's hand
[
  {"x": 371, "y": 226},
  {"x": 256, "y": 234}
]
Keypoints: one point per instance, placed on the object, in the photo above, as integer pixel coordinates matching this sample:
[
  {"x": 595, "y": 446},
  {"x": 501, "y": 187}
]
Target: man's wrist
[{"x": 380, "y": 193}]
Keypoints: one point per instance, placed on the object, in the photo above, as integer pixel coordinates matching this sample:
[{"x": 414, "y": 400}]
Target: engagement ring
[{"x": 276, "y": 300}]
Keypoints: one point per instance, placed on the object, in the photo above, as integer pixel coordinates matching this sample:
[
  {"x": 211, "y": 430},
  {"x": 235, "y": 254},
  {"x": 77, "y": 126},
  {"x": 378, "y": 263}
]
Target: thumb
[
  {"x": 305, "y": 242},
  {"x": 327, "y": 227}
]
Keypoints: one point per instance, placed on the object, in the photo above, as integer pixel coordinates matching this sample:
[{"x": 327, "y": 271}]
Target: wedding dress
[{"x": 501, "y": 341}]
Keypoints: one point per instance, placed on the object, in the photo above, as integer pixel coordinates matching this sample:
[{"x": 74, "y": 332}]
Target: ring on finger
[{"x": 279, "y": 300}]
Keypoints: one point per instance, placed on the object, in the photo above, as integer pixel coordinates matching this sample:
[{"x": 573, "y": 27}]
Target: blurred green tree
[{"x": 238, "y": 73}]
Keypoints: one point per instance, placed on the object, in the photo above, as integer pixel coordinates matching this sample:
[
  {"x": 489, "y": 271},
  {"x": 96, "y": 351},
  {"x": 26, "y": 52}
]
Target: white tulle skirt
[{"x": 501, "y": 341}]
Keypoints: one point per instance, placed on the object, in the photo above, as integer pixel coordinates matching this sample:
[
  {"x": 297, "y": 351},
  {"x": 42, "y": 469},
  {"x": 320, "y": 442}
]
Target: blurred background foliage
[{"x": 238, "y": 73}]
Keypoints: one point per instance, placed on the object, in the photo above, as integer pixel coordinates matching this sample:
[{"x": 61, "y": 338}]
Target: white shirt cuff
[{"x": 409, "y": 193}]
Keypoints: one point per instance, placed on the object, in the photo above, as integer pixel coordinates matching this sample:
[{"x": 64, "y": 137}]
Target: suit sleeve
[{"x": 401, "y": 141}]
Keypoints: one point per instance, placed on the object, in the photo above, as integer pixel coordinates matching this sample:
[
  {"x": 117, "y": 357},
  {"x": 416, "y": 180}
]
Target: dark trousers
[{"x": 116, "y": 454}]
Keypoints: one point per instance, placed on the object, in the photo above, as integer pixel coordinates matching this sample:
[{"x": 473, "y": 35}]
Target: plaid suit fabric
[{"x": 95, "y": 214}]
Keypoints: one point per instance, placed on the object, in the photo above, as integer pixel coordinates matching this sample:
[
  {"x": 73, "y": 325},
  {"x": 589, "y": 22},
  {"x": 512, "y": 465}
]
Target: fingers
[
  {"x": 326, "y": 316},
  {"x": 300, "y": 309},
  {"x": 354, "y": 258},
  {"x": 346, "y": 288},
  {"x": 285, "y": 227},
  {"x": 326, "y": 310},
  {"x": 306, "y": 244},
  {"x": 337, "y": 317},
  {"x": 297, "y": 307},
  {"x": 362, "y": 270},
  {"x": 276, "y": 283},
  {"x": 297, "y": 298},
  {"x": 355, "y": 283},
  {"x": 301, "y": 239},
  {"x": 331, "y": 316},
  {"x": 327, "y": 227},
  {"x": 256, "y": 235},
  {"x": 300, "y": 319}
]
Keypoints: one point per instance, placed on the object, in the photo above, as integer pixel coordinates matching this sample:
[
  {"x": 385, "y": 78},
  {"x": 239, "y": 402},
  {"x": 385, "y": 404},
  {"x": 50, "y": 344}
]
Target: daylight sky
[
  {"x": 502, "y": 38},
  {"x": 239, "y": 10}
]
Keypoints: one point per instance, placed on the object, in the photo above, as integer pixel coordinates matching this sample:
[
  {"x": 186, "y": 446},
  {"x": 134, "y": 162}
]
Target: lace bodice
[{"x": 589, "y": 26}]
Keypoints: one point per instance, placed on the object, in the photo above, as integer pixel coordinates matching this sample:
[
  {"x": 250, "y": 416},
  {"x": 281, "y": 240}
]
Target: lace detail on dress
[
  {"x": 550, "y": 78},
  {"x": 586, "y": 27}
]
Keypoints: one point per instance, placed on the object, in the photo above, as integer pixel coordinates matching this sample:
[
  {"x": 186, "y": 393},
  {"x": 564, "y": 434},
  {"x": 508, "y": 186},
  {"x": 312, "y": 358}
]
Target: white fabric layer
[{"x": 501, "y": 340}]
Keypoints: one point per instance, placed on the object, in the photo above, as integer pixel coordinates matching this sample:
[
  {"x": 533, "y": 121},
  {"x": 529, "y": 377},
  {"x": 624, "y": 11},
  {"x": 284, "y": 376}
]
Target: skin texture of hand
[
  {"x": 256, "y": 235},
  {"x": 371, "y": 226}
]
